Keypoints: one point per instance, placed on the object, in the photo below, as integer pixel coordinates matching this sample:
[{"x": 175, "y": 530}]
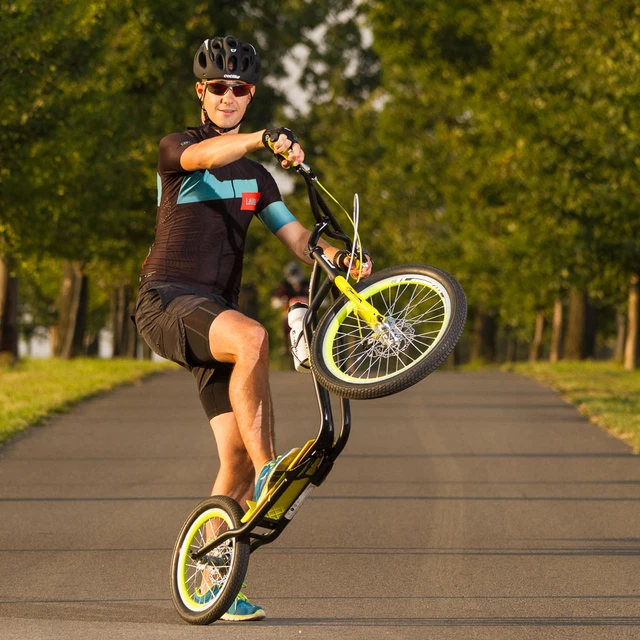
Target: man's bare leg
[
  {"x": 244, "y": 342},
  {"x": 236, "y": 475}
]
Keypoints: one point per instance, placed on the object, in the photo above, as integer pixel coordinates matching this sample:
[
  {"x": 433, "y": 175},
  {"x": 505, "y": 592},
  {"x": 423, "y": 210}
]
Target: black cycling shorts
[{"x": 174, "y": 321}]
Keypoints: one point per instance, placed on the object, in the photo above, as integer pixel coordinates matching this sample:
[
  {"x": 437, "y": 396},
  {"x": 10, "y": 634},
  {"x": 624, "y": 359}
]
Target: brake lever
[{"x": 305, "y": 168}]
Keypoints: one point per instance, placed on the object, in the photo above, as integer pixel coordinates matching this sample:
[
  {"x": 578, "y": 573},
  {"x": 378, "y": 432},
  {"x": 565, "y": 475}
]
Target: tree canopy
[{"x": 496, "y": 139}]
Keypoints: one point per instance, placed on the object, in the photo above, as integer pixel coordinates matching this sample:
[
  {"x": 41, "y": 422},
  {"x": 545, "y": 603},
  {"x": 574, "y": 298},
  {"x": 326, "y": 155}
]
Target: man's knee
[
  {"x": 260, "y": 339},
  {"x": 254, "y": 343}
]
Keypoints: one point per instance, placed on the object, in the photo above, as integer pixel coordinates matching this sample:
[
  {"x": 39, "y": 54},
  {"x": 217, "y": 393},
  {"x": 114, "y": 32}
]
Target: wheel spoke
[
  {"x": 409, "y": 308},
  {"x": 426, "y": 314}
]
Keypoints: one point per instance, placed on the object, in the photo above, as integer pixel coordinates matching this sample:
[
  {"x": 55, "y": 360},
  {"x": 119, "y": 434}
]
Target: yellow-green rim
[
  {"x": 207, "y": 515},
  {"x": 367, "y": 293}
]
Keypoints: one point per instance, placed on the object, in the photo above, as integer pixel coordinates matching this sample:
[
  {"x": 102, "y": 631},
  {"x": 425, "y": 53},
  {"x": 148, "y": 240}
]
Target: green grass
[
  {"x": 33, "y": 390},
  {"x": 607, "y": 394}
]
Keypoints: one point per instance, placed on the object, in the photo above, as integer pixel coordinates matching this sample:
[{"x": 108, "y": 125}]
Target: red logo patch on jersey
[{"x": 250, "y": 201}]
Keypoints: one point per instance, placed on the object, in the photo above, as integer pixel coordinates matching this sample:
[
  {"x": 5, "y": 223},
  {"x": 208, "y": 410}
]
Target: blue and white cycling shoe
[
  {"x": 240, "y": 610},
  {"x": 271, "y": 472}
]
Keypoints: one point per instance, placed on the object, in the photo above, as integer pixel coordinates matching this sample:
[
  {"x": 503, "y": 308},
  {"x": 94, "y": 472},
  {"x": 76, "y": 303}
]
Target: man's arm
[
  {"x": 225, "y": 149},
  {"x": 220, "y": 151},
  {"x": 296, "y": 238}
]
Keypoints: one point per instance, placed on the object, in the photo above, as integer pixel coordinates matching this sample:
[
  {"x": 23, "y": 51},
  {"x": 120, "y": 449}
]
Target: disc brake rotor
[{"x": 391, "y": 337}]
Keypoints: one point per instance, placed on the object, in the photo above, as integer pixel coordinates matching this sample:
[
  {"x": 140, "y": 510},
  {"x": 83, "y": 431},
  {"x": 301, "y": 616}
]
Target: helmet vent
[
  {"x": 232, "y": 42},
  {"x": 202, "y": 59},
  {"x": 232, "y": 65},
  {"x": 244, "y": 65},
  {"x": 219, "y": 61}
]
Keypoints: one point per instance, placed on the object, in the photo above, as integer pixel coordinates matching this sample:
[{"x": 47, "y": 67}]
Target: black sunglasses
[{"x": 220, "y": 88}]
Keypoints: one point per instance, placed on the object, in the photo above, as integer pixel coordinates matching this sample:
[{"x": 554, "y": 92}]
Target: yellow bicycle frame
[{"x": 364, "y": 309}]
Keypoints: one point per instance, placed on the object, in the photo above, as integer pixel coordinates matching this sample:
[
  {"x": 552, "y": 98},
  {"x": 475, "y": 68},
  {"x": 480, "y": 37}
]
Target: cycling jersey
[{"x": 203, "y": 218}]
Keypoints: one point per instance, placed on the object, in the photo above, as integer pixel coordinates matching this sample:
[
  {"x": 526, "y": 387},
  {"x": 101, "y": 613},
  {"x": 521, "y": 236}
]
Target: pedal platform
[{"x": 298, "y": 476}]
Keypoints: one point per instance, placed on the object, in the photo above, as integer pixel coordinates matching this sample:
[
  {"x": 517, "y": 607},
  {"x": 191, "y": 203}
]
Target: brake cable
[{"x": 357, "y": 246}]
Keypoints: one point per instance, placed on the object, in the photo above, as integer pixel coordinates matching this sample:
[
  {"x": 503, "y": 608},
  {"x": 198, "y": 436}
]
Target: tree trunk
[
  {"x": 147, "y": 354},
  {"x": 633, "y": 328},
  {"x": 54, "y": 339},
  {"x": 621, "y": 331},
  {"x": 73, "y": 306},
  {"x": 536, "y": 344},
  {"x": 124, "y": 332},
  {"x": 575, "y": 345},
  {"x": 132, "y": 332},
  {"x": 116, "y": 343},
  {"x": 590, "y": 330},
  {"x": 456, "y": 355},
  {"x": 8, "y": 313},
  {"x": 4, "y": 290},
  {"x": 484, "y": 337},
  {"x": 92, "y": 348},
  {"x": 556, "y": 330}
]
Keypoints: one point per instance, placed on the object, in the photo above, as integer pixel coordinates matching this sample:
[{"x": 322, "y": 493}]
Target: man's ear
[
  {"x": 253, "y": 93},
  {"x": 200, "y": 89}
]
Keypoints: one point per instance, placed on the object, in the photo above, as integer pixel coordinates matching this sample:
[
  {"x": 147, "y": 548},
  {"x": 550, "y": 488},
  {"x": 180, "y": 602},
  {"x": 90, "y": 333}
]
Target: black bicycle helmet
[{"x": 227, "y": 59}]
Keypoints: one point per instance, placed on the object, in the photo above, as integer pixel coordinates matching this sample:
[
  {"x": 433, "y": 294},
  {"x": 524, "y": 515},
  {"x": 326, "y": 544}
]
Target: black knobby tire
[
  {"x": 414, "y": 298},
  {"x": 184, "y": 573}
]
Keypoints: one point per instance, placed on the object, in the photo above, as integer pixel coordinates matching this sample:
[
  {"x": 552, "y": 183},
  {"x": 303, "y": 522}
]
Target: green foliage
[
  {"x": 497, "y": 140},
  {"x": 86, "y": 92},
  {"x": 497, "y": 147}
]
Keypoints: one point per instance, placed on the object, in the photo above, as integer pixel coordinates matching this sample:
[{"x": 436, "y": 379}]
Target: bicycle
[{"x": 380, "y": 336}]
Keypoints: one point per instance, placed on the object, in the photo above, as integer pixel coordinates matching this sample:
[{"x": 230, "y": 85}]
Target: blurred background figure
[{"x": 294, "y": 287}]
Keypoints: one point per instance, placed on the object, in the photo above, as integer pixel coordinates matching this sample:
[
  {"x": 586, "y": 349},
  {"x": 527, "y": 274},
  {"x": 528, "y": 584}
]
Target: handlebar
[{"x": 321, "y": 211}]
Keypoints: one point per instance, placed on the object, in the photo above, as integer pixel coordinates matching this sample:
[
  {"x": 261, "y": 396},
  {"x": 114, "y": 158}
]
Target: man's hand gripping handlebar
[
  {"x": 342, "y": 259},
  {"x": 285, "y": 146}
]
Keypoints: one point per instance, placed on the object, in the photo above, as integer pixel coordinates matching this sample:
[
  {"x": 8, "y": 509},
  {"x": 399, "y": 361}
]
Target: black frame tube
[{"x": 325, "y": 446}]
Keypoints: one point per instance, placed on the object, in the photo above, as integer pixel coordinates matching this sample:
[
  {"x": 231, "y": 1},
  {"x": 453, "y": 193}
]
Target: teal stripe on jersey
[
  {"x": 202, "y": 186},
  {"x": 244, "y": 186},
  {"x": 275, "y": 216}
]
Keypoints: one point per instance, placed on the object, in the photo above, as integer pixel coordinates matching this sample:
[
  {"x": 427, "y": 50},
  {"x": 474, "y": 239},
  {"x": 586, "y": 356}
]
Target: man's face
[{"x": 224, "y": 107}]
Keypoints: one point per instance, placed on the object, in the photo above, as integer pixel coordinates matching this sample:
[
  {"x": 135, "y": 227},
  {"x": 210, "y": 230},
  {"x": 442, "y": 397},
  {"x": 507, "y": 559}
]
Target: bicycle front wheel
[
  {"x": 425, "y": 310},
  {"x": 203, "y": 590}
]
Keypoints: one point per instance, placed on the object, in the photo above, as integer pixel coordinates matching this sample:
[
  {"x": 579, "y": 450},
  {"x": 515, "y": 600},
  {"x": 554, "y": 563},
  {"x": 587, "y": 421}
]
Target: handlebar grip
[
  {"x": 270, "y": 137},
  {"x": 283, "y": 154}
]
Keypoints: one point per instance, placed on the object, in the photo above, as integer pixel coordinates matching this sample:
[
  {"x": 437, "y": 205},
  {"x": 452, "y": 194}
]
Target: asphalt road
[{"x": 475, "y": 505}]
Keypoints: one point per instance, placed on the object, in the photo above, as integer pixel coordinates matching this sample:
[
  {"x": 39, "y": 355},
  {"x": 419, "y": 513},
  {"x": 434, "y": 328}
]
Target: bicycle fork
[{"x": 363, "y": 309}]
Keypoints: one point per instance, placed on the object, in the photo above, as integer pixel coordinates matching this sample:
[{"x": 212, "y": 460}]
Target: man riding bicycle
[{"x": 187, "y": 306}]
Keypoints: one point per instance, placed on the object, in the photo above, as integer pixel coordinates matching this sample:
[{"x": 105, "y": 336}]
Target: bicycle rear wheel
[
  {"x": 203, "y": 590},
  {"x": 425, "y": 311}
]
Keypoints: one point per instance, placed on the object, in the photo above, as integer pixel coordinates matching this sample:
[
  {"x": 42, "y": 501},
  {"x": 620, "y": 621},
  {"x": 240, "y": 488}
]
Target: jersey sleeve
[
  {"x": 170, "y": 151},
  {"x": 271, "y": 211}
]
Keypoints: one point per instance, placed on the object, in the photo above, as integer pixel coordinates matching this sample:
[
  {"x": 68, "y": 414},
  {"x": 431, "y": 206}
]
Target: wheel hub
[{"x": 391, "y": 336}]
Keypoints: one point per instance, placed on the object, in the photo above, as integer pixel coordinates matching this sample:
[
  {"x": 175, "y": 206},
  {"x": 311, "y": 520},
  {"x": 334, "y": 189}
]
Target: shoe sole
[{"x": 232, "y": 617}]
